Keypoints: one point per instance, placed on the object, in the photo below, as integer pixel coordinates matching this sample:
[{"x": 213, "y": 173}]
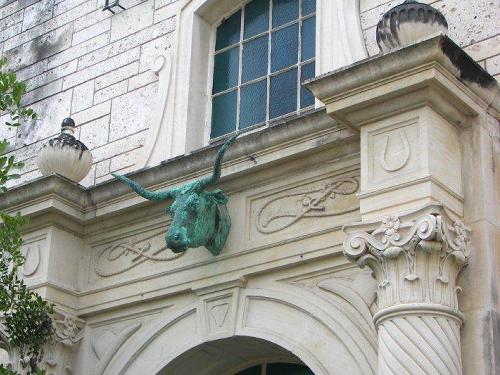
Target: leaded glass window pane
[
  {"x": 226, "y": 70},
  {"x": 256, "y": 17},
  {"x": 283, "y": 93},
  {"x": 284, "y": 47},
  {"x": 285, "y": 11},
  {"x": 224, "y": 114},
  {"x": 258, "y": 70},
  {"x": 308, "y": 7},
  {"x": 228, "y": 33},
  {"x": 254, "y": 59},
  {"x": 308, "y": 38},
  {"x": 253, "y": 104}
]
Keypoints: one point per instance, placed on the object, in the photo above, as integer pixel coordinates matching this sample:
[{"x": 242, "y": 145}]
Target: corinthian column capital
[{"x": 416, "y": 258}]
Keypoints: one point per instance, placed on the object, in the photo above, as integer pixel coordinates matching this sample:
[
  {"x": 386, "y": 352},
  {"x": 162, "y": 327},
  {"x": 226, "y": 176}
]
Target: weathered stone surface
[
  {"x": 40, "y": 47},
  {"x": 131, "y": 112},
  {"x": 137, "y": 18},
  {"x": 95, "y": 133},
  {"x": 83, "y": 96},
  {"x": 37, "y": 13}
]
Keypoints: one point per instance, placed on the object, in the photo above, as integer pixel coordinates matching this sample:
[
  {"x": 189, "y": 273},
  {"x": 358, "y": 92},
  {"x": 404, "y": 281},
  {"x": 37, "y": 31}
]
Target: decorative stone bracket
[{"x": 416, "y": 259}]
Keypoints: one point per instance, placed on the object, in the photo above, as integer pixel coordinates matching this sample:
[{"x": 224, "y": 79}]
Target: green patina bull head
[{"x": 199, "y": 217}]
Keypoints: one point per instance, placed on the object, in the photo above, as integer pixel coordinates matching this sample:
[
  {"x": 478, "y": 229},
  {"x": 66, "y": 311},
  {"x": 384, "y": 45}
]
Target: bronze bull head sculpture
[{"x": 199, "y": 217}]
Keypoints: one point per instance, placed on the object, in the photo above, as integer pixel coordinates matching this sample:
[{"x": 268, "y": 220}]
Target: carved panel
[
  {"x": 392, "y": 149},
  {"x": 296, "y": 210},
  {"x": 218, "y": 310},
  {"x": 32, "y": 250},
  {"x": 131, "y": 254}
]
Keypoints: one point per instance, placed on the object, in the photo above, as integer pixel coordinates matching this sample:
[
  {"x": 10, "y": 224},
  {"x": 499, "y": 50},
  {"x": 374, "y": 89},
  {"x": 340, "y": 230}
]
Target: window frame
[
  {"x": 181, "y": 109},
  {"x": 269, "y": 74}
]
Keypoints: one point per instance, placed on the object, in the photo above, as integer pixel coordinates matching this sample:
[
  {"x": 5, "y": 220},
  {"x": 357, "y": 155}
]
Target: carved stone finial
[
  {"x": 65, "y": 155},
  {"x": 407, "y": 23}
]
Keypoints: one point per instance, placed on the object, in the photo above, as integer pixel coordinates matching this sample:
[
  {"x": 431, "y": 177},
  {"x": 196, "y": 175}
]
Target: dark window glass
[
  {"x": 283, "y": 94},
  {"x": 308, "y": 38},
  {"x": 228, "y": 32},
  {"x": 223, "y": 114},
  {"x": 226, "y": 70},
  {"x": 254, "y": 59},
  {"x": 255, "y": 370},
  {"x": 285, "y": 11},
  {"x": 284, "y": 47},
  {"x": 308, "y": 7},
  {"x": 256, "y": 18},
  {"x": 287, "y": 369},
  {"x": 271, "y": 52},
  {"x": 306, "y": 98},
  {"x": 253, "y": 104}
]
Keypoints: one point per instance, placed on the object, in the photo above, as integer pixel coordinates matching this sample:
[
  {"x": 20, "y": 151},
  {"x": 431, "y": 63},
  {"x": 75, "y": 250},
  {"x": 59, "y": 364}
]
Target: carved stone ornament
[
  {"x": 68, "y": 333},
  {"x": 407, "y": 23},
  {"x": 123, "y": 256},
  {"x": 199, "y": 217},
  {"x": 286, "y": 210},
  {"x": 65, "y": 155},
  {"x": 415, "y": 260}
]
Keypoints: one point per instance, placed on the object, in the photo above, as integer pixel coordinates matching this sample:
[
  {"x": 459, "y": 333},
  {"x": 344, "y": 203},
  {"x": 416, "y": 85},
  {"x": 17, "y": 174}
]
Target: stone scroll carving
[
  {"x": 286, "y": 210},
  {"x": 123, "y": 256}
]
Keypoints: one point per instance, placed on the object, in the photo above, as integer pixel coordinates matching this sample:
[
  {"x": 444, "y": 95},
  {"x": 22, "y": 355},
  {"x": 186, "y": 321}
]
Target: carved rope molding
[{"x": 415, "y": 261}]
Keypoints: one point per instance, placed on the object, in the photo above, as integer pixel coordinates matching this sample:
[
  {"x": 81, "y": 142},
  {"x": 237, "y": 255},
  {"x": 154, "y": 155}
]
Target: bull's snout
[{"x": 177, "y": 240}]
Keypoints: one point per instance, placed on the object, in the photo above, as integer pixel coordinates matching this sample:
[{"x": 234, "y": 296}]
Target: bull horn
[
  {"x": 149, "y": 195},
  {"x": 204, "y": 182}
]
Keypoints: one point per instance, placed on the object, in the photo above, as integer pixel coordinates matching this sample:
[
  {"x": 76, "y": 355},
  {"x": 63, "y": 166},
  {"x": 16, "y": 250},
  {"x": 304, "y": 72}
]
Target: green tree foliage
[{"x": 26, "y": 316}]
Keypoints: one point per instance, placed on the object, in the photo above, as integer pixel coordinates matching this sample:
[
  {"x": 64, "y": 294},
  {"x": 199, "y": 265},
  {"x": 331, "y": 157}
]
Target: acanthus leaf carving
[{"x": 414, "y": 260}]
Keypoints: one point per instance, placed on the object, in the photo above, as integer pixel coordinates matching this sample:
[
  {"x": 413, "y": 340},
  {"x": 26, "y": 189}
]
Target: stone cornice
[
  {"x": 302, "y": 134},
  {"x": 339, "y": 89}
]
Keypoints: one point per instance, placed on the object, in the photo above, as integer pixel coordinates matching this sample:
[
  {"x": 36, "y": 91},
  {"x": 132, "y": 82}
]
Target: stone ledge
[
  {"x": 313, "y": 125},
  {"x": 366, "y": 74}
]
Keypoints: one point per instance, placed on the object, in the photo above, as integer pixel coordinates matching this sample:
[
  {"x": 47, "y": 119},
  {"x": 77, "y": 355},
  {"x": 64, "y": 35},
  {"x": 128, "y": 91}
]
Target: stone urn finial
[
  {"x": 65, "y": 155},
  {"x": 407, "y": 23}
]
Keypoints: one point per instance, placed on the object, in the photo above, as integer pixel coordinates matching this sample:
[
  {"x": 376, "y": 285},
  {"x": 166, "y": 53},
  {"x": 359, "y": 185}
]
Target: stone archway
[
  {"x": 308, "y": 327},
  {"x": 227, "y": 356}
]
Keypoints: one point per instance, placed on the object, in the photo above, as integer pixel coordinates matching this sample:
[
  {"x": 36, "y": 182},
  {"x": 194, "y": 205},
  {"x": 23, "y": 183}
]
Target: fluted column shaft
[{"x": 416, "y": 260}]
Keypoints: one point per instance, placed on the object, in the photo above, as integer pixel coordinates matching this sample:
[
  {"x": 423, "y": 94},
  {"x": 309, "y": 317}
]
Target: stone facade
[
  {"x": 365, "y": 232},
  {"x": 92, "y": 66}
]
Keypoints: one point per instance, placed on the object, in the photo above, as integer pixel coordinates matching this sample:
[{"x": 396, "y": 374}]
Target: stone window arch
[{"x": 181, "y": 121}]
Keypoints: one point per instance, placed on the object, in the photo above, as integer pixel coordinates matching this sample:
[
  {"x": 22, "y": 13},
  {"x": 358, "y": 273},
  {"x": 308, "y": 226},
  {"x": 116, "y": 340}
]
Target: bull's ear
[{"x": 219, "y": 196}]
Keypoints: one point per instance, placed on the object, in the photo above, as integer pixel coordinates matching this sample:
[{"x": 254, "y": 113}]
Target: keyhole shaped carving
[{"x": 403, "y": 150}]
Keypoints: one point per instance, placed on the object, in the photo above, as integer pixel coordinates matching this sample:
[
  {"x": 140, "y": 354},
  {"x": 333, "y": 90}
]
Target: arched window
[{"x": 262, "y": 54}]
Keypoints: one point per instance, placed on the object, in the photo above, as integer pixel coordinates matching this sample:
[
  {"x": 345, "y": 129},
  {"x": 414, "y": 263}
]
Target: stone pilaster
[{"x": 416, "y": 259}]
